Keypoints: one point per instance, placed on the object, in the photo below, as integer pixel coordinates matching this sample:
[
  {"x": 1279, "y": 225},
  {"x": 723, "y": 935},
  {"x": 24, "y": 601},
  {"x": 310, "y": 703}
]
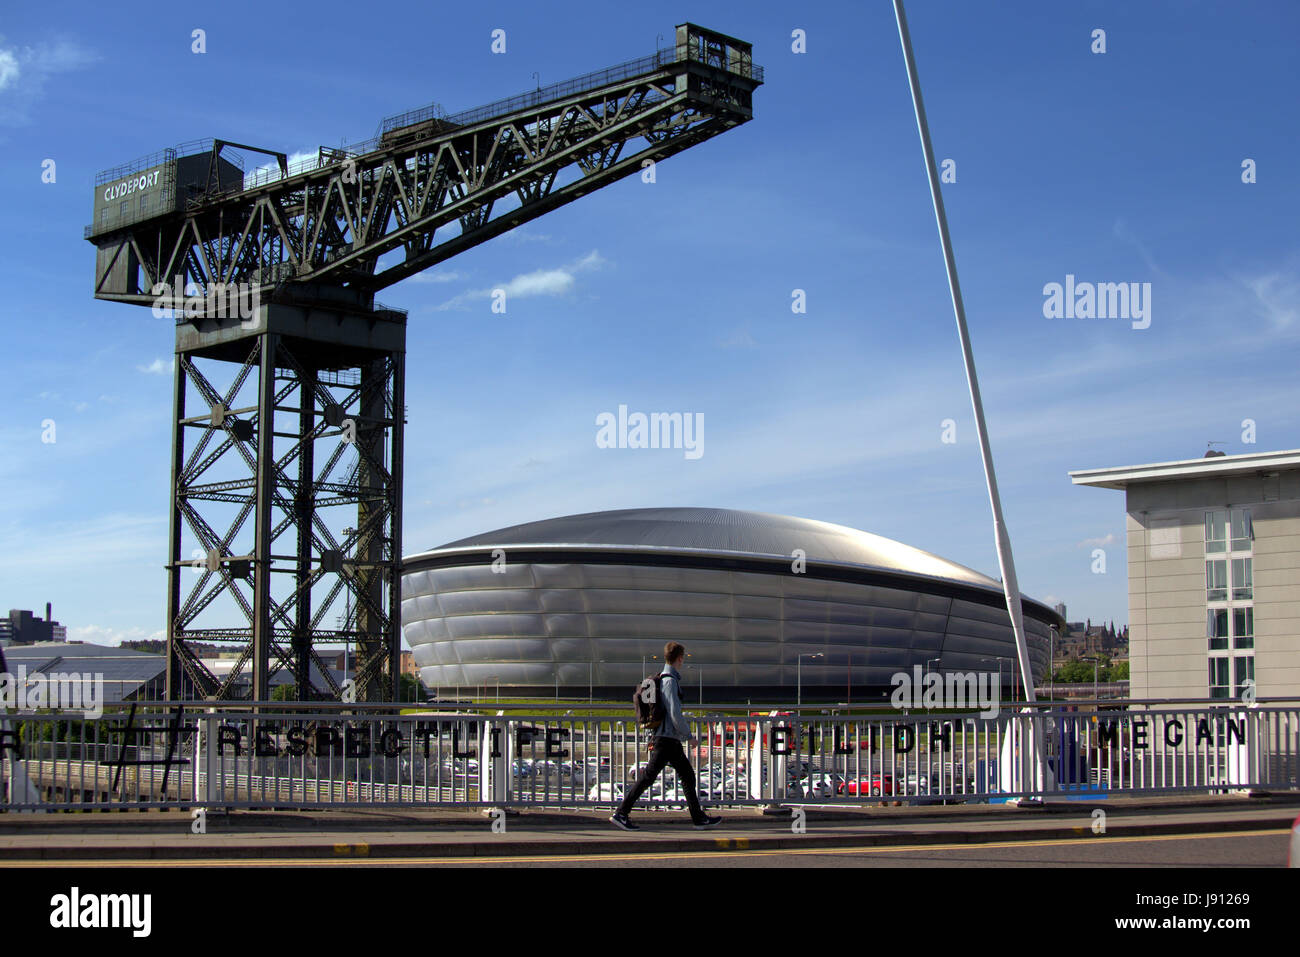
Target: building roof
[
  {"x": 124, "y": 670},
  {"x": 719, "y": 530},
  {"x": 1122, "y": 477},
  {"x": 221, "y": 667}
]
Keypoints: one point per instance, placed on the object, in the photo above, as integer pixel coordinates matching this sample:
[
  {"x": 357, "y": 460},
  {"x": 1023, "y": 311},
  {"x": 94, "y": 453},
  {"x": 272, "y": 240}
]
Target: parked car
[
  {"x": 948, "y": 780},
  {"x": 607, "y": 791},
  {"x": 875, "y": 785},
  {"x": 820, "y": 785}
]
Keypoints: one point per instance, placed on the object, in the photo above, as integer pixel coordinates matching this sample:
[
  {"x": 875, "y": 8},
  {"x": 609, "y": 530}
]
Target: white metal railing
[{"x": 195, "y": 755}]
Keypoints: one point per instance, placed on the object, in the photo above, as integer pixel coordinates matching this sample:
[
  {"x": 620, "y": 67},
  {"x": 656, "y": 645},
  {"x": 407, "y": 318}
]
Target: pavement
[{"x": 404, "y": 833}]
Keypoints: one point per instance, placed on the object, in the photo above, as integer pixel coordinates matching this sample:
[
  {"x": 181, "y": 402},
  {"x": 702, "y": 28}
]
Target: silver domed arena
[{"x": 585, "y": 603}]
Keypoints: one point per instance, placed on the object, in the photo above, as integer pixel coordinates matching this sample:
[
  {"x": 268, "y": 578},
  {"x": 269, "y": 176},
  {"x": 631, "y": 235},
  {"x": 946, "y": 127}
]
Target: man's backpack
[{"x": 648, "y": 703}]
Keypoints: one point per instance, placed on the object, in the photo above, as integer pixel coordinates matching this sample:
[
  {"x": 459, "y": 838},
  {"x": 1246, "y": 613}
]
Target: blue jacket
[{"x": 674, "y": 723}]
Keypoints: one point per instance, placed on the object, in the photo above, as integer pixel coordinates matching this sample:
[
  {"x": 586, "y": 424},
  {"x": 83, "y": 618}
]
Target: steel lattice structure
[{"x": 305, "y": 249}]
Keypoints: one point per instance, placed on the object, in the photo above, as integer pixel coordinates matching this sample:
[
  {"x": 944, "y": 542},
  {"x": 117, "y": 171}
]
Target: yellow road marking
[
  {"x": 353, "y": 850},
  {"x": 577, "y": 858}
]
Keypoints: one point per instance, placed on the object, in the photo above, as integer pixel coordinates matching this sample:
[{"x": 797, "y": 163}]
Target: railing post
[
  {"x": 21, "y": 790},
  {"x": 773, "y": 791},
  {"x": 494, "y": 763},
  {"x": 209, "y": 791},
  {"x": 754, "y": 772},
  {"x": 1023, "y": 764},
  {"x": 1243, "y": 756}
]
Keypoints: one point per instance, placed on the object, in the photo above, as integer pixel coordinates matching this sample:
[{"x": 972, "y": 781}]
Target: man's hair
[{"x": 673, "y": 650}]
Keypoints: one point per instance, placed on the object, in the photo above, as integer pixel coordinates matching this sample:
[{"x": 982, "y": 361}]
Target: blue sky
[{"x": 675, "y": 296}]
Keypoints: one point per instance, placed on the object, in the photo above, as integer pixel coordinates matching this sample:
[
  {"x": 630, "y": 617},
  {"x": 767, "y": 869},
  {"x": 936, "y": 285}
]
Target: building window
[
  {"x": 1216, "y": 532},
  {"x": 1242, "y": 587},
  {"x": 144, "y": 202},
  {"x": 1243, "y": 627},
  {"x": 1242, "y": 531},
  {"x": 1216, "y": 628},
  {"x": 1218, "y": 677},
  {"x": 1244, "y": 668},
  {"x": 1216, "y": 580},
  {"x": 1229, "y": 595},
  {"x": 121, "y": 211}
]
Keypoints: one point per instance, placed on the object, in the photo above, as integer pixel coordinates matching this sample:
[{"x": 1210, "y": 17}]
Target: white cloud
[
  {"x": 540, "y": 282},
  {"x": 1107, "y": 539},
  {"x": 157, "y": 367},
  {"x": 1122, "y": 232},
  {"x": 1277, "y": 296},
  {"x": 25, "y": 70},
  {"x": 105, "y": 635},
  {"x": 293, "y": 160},
  {"x": 740, "y": 339},
  {"x": 430, "y": 275},
  {"x": 520, "y": 234},
  {"x": 9, "y": 70},
  {"x": 543, "y": 282}
]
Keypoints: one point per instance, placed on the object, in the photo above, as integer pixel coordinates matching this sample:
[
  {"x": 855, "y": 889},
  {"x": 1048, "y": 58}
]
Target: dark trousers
[{"x": 665, "y": 752}]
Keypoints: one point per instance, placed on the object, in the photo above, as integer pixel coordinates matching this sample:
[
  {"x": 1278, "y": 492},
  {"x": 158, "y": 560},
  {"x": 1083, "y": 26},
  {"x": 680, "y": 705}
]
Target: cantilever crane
[{"x": 276, "y": 272}]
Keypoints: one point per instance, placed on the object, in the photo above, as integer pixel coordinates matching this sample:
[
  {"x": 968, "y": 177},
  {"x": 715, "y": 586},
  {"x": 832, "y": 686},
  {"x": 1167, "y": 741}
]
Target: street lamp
[
  {"x": 1051, "y": 664},
  {"x": 1015, "y": 684},
  {"x": 930, "y": 661},
  {"x": 700, "y": 676},
  {"x": 590, "y": 686},
  {"x": 798, "y": 670}
]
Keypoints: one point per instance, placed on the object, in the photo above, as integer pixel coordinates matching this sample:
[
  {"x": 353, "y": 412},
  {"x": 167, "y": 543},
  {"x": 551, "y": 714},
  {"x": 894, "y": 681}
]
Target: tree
[
  {"x": 1075, "y": 670},
  {"x": 410, "y": 689}
]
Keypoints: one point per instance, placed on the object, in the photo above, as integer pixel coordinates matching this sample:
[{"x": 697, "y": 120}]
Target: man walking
[{"x": 667, "y": 746}]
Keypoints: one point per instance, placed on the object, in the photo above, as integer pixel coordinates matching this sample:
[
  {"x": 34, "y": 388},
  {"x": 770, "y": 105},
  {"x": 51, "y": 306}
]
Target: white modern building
[
  {"x": 768, "y": 606},
  {"x": 1213, "y": 573}
]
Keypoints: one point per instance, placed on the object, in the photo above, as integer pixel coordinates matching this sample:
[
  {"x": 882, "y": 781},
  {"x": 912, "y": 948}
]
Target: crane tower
[{"x": 288, "y": 409}]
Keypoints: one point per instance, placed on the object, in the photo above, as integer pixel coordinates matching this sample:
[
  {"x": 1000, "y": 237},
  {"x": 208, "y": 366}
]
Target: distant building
[
  {"x": 1213, "y": 553},
  {"x": 1083, "y": 638},
  {"x": 126, "y": 674},
  {"x": 585, "y": 603},
  {"x": 22, "y": 627},
  {"x": 222, "y": 666}
]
